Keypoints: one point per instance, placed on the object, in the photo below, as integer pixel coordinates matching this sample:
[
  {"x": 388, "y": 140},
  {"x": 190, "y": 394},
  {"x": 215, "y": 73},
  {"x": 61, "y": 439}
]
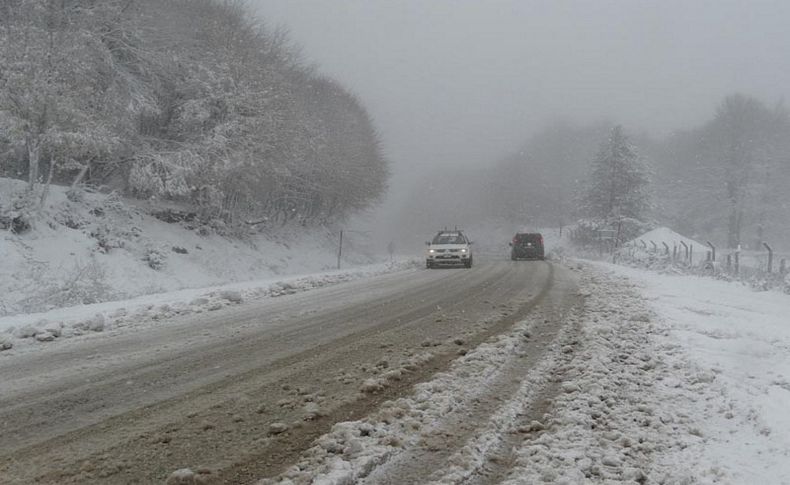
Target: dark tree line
[{"x": 188, "y": 100}]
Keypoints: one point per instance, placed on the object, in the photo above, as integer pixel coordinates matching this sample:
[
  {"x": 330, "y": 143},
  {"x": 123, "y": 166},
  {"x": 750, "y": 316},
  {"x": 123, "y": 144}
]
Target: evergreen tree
[{"x": 618, "y": 182}]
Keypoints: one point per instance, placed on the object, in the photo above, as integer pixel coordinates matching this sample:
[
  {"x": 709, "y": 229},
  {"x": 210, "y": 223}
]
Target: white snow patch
[
  {"x": 104, "y": 247},
  {"x": 737, "y": 346},
  {"x": 666, "y": 235}
]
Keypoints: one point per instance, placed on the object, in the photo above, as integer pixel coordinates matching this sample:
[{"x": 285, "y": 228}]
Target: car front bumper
[{"x": 448, "y": 259}]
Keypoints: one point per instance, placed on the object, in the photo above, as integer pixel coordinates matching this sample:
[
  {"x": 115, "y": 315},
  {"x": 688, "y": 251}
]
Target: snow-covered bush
[
  {"x": 18, "y": 218},
  {"x": 76, "y": 194},
  {"x": 106, "y": 239},
  {"x": 155, "y": 257},
  {"x": 70, "y": 217},
  {"x": 84, "y": 284},
  {"x": 6, "y": 342}
]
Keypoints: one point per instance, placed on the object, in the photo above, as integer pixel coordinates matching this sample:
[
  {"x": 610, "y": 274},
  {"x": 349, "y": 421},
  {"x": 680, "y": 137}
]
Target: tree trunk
[
  {"x": 733, "y": 228},
  {"x": 45, "y": 192},
  {"x": 33, "y": 155},
  {"x": 733, "y": 222},
  {"x": 80, "y": 176}
]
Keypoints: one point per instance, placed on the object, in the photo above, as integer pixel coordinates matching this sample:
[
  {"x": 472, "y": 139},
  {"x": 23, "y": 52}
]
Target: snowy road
[{"x": 240, "y": 393}]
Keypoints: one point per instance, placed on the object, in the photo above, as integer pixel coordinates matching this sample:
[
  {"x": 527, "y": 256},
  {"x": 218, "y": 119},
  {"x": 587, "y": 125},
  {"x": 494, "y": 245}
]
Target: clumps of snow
[
  {"x": 377, "y": 384},
  {"x": 44, "y": 336},
  {"x": 281, "y": 288},
  {"x": 6, "y": 343},
  {"x": 278, "y": 428},
  {"x": 54, "y": 328},
  {"x": 312, "y": 411},
  {"x": 25, "y": 331},
  {"x": 95, "y": 324},
  {"x": 371, "y": 385},
  {"x": 233, "y": 296},
  {"x": 186, "y": 476},
  {"x": 44, "y": 330}
]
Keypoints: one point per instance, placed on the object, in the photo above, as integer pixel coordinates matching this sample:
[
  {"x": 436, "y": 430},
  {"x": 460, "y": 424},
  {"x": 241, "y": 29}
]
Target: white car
[{"x": 448, "y": 248}]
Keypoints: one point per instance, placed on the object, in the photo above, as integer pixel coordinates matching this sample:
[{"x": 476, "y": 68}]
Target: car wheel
[
  {"x": 428, "y": 265},
  {"x": 468, "y": 264}
]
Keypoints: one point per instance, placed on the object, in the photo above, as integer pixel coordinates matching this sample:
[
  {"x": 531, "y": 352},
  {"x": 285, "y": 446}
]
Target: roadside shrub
[
  {"x": 155, "y": 257},
  {"x": 106, "y": 238},
  {"x": 84, "y": 284},
  {"x": 76, "y": 194},
  {"x": 18, "y": 218}
]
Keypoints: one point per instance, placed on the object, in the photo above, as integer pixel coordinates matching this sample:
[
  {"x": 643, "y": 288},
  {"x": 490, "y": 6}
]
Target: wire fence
[{"x": 761, "y": 269}]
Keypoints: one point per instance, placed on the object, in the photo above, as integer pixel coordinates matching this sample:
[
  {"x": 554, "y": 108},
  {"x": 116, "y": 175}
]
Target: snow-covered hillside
[{"x": 99, "y": 247}]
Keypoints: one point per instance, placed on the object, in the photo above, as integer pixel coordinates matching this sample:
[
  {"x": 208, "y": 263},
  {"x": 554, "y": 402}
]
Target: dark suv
[{"x": 527, "y": 245}]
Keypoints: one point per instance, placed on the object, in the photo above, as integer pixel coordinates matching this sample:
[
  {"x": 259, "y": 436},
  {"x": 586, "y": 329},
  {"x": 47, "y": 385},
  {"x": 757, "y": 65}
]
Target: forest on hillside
[
  {"x": 726, "y": 180},
  {"x": 191, "y": 101}
]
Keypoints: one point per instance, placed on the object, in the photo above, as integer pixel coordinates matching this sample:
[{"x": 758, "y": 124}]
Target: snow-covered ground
[
  {"x": 100, "y": 247},
  {"x": 97, "y": 261},
  {"x": 642, "y": 248},
  {"x": 739, "y": 341}
]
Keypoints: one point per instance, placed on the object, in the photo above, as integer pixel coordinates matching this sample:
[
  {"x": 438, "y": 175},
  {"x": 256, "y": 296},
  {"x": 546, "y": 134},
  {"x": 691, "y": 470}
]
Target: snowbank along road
[{"x": 243, "y": 393}]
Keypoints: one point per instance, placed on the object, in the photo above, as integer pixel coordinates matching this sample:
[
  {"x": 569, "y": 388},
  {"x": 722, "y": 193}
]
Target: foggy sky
[{"x": 466, "y": 82}]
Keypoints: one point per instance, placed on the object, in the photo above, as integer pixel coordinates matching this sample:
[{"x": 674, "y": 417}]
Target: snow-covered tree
[
  {"x": 53, "y": 84},
  {"x": 536, "y": 185},
  {"x": 189, "y": 100},
  {"x": 618, "y": 181},
  {"x": 744, "y": 148}
]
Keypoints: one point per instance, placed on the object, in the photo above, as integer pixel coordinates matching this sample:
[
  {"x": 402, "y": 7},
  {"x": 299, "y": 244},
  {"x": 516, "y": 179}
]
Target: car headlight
[
  {"x": 463, "y": 250},
  {"x": 431, "y": 251}
]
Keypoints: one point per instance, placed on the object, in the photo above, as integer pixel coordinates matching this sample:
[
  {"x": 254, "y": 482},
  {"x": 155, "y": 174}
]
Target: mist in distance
[
  {"x": 466, "y": 82},
  {"x": 496, "y": 110}
]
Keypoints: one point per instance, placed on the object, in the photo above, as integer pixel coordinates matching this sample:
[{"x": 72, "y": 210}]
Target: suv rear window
[{"x": 528, "y": 238}]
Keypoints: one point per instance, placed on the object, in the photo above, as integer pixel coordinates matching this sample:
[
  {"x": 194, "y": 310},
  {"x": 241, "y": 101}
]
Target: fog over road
[{"x": 203, "y": 391}]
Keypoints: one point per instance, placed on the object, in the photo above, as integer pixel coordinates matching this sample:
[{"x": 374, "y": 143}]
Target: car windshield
[{"x": 449, "y": 238}]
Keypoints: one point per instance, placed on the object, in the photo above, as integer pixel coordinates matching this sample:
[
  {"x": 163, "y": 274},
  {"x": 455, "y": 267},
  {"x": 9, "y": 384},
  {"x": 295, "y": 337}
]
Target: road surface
[{"x": 241, "y": 392}]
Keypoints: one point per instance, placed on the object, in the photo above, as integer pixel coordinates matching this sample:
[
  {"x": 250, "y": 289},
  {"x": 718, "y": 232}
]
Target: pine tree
[{"x": 618, "y": 182}]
